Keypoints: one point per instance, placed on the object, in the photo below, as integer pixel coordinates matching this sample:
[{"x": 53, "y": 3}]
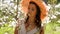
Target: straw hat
[{"x": 25, "y": 3}]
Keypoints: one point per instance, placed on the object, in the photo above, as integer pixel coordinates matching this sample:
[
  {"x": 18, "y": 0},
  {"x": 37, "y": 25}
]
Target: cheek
[{"x": 34, "y": 13}]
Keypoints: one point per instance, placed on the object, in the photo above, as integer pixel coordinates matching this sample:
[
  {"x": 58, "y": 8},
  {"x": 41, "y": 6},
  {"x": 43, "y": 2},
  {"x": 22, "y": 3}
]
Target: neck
[{"x": 30, "y": 24}]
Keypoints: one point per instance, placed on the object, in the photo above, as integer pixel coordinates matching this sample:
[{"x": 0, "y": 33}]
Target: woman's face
[{"x": 32, "y": 10}]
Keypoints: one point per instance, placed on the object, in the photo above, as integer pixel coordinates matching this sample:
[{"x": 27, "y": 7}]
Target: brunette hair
[{"x": 37, "y": 17}]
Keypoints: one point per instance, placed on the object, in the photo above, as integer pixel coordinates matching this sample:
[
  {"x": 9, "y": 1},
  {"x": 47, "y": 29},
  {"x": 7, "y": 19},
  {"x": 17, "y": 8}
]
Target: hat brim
[{"x": 25, "y": 4}]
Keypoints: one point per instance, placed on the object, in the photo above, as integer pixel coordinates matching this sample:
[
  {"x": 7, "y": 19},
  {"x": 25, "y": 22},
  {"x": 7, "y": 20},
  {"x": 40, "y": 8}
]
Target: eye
[{"x": 32, "y": 9}]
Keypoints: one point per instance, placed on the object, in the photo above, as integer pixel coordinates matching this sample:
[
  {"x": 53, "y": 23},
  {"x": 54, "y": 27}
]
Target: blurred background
[{"x": 10, "y": 11}]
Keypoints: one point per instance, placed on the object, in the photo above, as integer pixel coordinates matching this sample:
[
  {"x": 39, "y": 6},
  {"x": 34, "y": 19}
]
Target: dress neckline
[{"x": 33, "y": 31}]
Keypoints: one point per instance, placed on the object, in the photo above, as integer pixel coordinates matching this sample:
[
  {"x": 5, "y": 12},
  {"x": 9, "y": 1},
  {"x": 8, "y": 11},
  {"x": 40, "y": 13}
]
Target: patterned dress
[{"x": 22, "y": 29}]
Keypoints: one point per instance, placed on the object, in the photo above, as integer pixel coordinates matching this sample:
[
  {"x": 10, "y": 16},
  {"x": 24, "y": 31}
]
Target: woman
[{"x": 33, "y": 21}]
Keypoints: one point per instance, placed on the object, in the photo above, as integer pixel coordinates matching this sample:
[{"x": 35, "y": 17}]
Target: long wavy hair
[{"x": 37, "y": 17}]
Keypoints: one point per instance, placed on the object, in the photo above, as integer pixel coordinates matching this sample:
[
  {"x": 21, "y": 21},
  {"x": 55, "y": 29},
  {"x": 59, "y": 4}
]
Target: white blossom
[
  {"x": 58, "y": 21},
  {"x": 13, "y": 23},
  {"x": 15, "y": 7},
  {"x": 53, "y": 16},
  {"x": 7, "y": 1},
  {"x": 58, "y": 6},
  {"x": 6, "y": 33}
]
